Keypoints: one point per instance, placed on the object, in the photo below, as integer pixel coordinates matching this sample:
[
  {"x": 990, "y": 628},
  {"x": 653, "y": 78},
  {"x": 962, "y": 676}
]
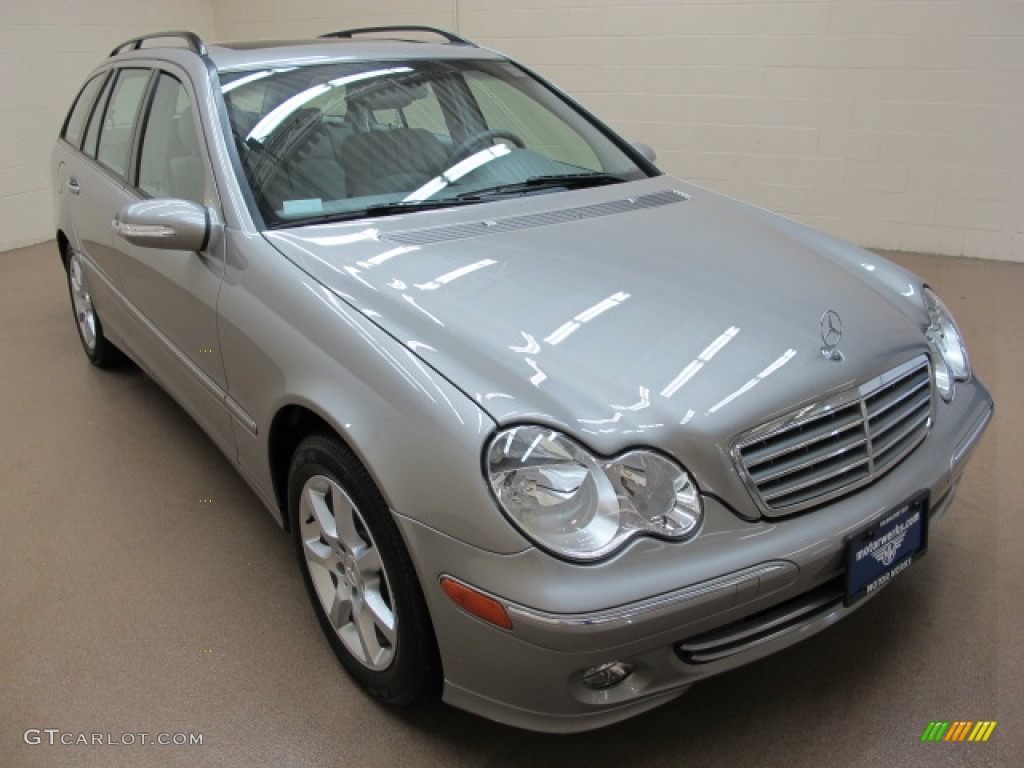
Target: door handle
[{"x": 73, "y": 186}]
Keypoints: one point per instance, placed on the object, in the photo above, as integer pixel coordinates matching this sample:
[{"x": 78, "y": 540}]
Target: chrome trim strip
[
  {"x": 799, "y": 623},
  {"x": 741, "y": 637},
  {"x": 755, "y": 629},
  {"x": 240, "y": 415},
  {"x": 626, "y": 615}
]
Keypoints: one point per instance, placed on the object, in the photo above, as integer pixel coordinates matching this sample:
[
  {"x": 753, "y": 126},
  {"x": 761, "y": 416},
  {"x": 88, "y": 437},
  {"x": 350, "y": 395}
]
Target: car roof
[
  {"x": 385, "y": 44},
  {"x": 228, "y": 56}
]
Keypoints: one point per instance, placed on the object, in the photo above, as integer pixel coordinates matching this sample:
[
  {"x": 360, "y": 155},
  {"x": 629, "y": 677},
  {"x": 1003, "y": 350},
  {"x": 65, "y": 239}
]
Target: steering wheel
[{"x": 464, "y": 146}]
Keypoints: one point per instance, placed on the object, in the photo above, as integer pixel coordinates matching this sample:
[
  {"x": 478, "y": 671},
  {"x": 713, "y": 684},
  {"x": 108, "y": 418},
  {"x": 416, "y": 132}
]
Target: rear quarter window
[{"x": 78, "y": 117}]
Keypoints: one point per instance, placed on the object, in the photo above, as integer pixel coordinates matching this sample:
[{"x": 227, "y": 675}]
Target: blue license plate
[{"x": 884, "y": 549}]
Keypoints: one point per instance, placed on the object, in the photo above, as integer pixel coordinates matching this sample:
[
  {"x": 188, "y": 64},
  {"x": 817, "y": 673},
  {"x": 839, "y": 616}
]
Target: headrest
[{"x": 374, "y": 96}]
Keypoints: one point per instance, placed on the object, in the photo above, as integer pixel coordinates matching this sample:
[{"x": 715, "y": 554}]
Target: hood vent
[{"x": 428, "y": 235}]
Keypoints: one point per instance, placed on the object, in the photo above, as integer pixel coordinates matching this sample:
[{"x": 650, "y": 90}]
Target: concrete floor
[{"x": 131, "y": 605}]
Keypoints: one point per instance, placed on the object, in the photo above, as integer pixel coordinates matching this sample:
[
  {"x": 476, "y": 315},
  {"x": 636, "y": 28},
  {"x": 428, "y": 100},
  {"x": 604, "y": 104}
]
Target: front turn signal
[{"x": 476, "y": 603}]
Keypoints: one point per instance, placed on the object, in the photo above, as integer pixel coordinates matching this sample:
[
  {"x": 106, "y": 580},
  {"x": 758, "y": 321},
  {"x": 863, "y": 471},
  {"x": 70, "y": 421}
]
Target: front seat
[
  {"x": 185, "y": 162},
  {"x": 391, "y": 161}
]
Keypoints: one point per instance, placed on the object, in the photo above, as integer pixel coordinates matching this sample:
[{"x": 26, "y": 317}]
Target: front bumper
[{"x": 750, "y": 589}]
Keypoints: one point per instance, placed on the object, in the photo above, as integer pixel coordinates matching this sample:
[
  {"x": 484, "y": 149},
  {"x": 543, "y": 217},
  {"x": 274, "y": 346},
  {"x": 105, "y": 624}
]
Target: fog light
[{"x": 606, "y": 675}]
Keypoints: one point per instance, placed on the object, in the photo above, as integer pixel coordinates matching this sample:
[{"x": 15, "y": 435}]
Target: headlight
[
  {"x": 945, "y": 337},
  {"x": 583, "y": 507}
]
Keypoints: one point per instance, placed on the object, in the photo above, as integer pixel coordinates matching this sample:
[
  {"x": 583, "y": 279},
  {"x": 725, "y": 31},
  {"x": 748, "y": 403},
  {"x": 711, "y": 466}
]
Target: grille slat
[
  {"x": 807, "y": 460},
  {"x": 829, "y": 449},
  {"x": 895, "y": 419},
  {"x": 817, "y": 478},
  {"x": 806, "y": 436},
  {"x": 908, "y": 430},
  {"x": 875, "y": 411}
]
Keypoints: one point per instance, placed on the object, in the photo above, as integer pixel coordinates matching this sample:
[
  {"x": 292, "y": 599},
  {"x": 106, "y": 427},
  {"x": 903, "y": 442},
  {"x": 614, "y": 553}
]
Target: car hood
[{"x": 651, "y": 313}]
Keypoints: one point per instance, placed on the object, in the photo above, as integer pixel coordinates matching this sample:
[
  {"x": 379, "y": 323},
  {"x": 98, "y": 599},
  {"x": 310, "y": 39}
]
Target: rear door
[{"x": 95, "y": 177}]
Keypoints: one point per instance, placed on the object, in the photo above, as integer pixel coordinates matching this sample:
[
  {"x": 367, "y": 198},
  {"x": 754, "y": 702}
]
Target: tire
[
  {"x": 359, "y": 576},
  {"x": 98, "y": 348}
]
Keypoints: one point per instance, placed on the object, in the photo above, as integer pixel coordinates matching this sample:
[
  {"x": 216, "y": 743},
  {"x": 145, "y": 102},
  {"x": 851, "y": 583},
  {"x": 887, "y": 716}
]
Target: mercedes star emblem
[{"x": 831, "y": 334}]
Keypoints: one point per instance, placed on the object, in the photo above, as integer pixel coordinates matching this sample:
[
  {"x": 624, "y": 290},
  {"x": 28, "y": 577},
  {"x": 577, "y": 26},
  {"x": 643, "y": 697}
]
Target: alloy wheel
[{"x": 348, "y": 573}]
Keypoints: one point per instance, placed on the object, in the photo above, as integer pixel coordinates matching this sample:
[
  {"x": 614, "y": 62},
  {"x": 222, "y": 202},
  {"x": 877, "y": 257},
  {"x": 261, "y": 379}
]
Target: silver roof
[{"x": 249, "y": 55}]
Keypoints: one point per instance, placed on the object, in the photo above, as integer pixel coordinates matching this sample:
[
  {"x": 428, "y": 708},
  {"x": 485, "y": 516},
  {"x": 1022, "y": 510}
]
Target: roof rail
[
  {"x": 450, "y": 37},
  {"x": 195, "y": 43}
]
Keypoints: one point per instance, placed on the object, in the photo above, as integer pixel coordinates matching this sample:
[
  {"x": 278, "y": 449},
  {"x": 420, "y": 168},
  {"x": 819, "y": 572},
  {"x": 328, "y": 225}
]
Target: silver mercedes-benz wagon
[{"x": 555, "y": 434}]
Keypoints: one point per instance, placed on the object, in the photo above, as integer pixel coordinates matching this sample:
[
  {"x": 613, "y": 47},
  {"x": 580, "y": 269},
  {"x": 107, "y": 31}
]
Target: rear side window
[
  {"x": 119, "y": 119},
  {"x": 74, "y": 127},
  {"x": 92, "y": 133},
  {"x": 171, "y": 163}
]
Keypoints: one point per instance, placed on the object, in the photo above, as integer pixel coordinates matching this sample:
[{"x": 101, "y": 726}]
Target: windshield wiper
[
  {"x": 402, "y": 206},
  {"x": 558, "y": 181},
  {"x": 554, "y": 181}
]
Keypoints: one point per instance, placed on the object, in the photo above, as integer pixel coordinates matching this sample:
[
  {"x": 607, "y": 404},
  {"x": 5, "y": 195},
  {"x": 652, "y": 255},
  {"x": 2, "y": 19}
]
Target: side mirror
[
  {"x": 176, "y": 225},
  {"x": 646, "y": 150}
]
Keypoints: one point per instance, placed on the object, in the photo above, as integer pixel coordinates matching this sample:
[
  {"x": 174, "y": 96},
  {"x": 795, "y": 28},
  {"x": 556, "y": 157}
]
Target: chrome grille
[{"x": 828, "y": 449}]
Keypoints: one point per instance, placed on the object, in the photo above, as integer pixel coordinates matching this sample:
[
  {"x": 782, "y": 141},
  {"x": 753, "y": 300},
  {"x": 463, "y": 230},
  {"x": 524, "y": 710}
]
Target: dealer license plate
[{"x": 886, "y": 548}]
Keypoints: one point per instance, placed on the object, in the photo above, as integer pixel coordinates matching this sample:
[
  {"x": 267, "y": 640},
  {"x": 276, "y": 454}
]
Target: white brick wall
[
  {"x": 894, "y": 123},
  {"x": 47, "y": 47}
]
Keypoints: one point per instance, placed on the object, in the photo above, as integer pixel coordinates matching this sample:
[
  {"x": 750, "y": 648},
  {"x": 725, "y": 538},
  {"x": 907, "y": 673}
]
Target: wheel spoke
[
  {"x": 366, "y": 621},
  {"x": 320, "y": 554},
  {"x": 317, "y": 515},
  {"x": 342, "y": 607},
  {"x": 383, "y": 616},
  {"x": 345, "y": 521},
  {"x": 369, "y": 563}
]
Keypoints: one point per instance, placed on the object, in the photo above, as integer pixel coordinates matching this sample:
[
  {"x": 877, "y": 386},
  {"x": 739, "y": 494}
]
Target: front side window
[
  {"x": 353, "y": 139},
  {"x": 170, "y": 161},
  {"x": 115, "y": 137},
  {"x": 74, "y": 127}
]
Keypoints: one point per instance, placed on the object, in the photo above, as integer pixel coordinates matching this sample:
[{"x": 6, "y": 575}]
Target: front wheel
[{"x": 359, "y": 575}]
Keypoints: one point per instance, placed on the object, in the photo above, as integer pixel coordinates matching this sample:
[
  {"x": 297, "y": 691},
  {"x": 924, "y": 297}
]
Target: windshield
[{"x": 352, "y": 139}]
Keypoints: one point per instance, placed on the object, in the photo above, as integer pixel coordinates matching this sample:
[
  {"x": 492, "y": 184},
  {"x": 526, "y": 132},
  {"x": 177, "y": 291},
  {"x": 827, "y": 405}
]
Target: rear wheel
[
  {"x": 100, "y": 351},
  {"x": 359, "y": 575}
]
